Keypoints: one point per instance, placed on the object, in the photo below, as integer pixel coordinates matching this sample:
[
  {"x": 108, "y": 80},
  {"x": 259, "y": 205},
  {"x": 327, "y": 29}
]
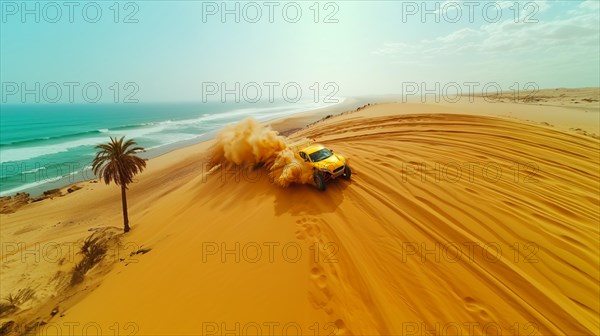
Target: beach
[
  {"x": 471, "y": 216},
  {"x": 49, "y": 146}
]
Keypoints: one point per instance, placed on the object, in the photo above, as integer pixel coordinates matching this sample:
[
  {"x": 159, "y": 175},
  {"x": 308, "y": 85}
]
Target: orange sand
[{"x": 507, "y": 236}]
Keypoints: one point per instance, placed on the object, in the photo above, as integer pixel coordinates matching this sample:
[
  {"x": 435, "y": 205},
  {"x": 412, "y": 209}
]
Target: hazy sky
[{"x": 168, "y": 49}]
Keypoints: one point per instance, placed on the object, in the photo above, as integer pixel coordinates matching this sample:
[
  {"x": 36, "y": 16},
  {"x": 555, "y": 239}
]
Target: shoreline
[
  {"x": 289, "y": 124},
  {"x": 177, "y": 206},
  {"x": 282, "y": 124}
]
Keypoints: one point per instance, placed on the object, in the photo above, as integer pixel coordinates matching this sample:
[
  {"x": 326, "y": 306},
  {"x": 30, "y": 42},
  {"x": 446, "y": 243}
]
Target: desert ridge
[{"x": 408, "y": 246}]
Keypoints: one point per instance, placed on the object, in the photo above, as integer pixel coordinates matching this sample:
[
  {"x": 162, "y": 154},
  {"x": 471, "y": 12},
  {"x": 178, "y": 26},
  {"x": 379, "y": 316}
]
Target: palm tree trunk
[{"x": 125, "y": 217}]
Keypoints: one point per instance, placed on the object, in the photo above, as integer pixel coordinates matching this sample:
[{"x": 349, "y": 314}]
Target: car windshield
[{"x": 320, "y": 155}]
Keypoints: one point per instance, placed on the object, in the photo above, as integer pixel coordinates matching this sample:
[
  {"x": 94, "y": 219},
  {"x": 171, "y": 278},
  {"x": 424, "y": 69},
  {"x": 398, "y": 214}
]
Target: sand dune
[{"x": 453, "y": 223}]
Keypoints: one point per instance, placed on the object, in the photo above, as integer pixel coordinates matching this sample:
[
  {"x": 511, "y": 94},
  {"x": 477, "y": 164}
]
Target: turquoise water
[{"x": 50, "y": 146}]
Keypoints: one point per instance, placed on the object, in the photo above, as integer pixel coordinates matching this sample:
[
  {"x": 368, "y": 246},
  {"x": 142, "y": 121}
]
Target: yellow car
[{"x": 326, "y": 164}]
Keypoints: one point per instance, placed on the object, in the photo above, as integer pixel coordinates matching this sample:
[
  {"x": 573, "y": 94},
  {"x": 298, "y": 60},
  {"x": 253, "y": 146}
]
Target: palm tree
[{"x": 117, "y": 161}]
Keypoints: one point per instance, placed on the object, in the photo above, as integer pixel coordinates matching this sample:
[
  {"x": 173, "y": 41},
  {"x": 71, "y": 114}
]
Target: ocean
[{"x": 50, "y": 146}]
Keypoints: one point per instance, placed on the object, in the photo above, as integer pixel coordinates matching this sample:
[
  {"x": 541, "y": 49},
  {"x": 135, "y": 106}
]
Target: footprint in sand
[
  {"x": 307, "y": 227},
  {"x": 473, "y": 306},
  {"x": 320, "y": 295},
  {"x": 318, "y": 276},
  {"x": 340, "y": 327}
]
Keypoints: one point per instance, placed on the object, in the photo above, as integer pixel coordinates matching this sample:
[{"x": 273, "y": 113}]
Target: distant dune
[{"x": 460, "y": 218}]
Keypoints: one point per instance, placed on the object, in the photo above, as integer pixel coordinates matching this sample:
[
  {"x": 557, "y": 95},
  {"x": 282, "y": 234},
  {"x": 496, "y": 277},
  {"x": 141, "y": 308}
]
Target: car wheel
[
  {"x": 320, "y": 182},
  {"x": 347, "y": 173}
]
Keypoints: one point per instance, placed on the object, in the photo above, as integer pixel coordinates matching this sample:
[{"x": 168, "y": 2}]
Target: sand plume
[
  {"x": 397, "y": 251},
  {"x": 250, "y": 144},
  {"x": 289, "y": 167},
  {"x": 247, "y": 143}
]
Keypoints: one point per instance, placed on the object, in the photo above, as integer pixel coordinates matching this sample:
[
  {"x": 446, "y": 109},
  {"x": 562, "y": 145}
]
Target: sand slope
[{"x": 501, "y": 233}]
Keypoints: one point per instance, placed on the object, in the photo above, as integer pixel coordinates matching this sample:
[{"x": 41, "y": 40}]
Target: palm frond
[{"x": 117, "y": 161}]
